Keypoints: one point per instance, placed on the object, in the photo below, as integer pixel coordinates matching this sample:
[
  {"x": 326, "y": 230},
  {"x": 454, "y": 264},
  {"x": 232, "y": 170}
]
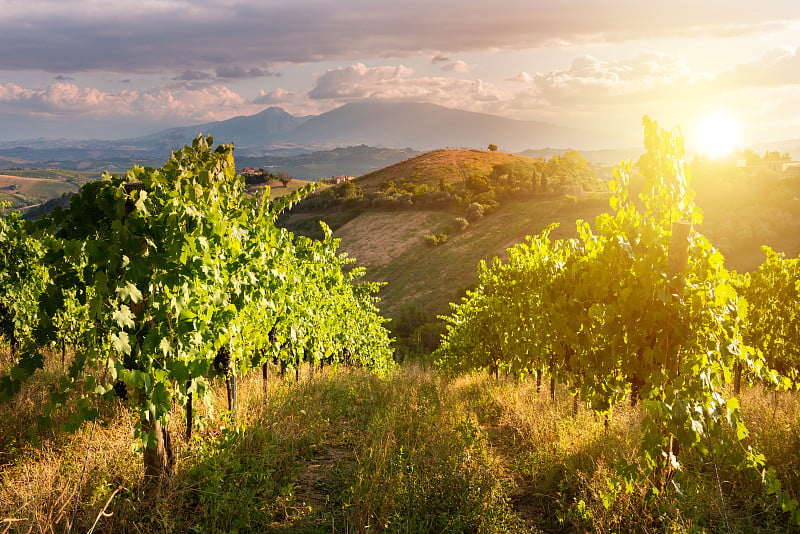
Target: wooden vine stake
[
  {"x": 158, "y": 455},
  {"x": 188, "y": 413},
  {"x": 677, "y": 260}
]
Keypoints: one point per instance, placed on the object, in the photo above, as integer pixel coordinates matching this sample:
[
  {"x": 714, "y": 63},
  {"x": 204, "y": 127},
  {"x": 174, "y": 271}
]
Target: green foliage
[
  {"x": 434, "y": 240},
  {"x": 283, "y": 177},
  {"x": 617, "y": 312},
  {"x": 164, "y": 267},
  {"x": 22, "y": 279},
  {"x": 773, "y": 292},
  {"x": 570, "y": 169}
]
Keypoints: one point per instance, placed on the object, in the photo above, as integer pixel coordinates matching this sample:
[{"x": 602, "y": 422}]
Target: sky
[{"x": 114, "y": 69}]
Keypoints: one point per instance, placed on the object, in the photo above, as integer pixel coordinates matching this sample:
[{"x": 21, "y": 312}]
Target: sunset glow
[
  {"x": 717, "y": 135},
  {"x": 598, "y": 66}
]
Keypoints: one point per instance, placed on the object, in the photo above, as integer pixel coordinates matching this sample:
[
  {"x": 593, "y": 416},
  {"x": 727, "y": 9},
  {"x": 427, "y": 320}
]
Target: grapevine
[
  {"x": 640, "y": 307},
  {"x": 158, "y": 273}
]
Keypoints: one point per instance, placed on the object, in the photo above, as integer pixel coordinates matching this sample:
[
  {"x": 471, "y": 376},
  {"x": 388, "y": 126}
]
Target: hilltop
[{"x": 450, "y": 165}]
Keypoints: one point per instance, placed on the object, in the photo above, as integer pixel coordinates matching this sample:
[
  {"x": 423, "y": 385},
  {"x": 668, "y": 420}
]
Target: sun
[{"x": 717, "y": 135}]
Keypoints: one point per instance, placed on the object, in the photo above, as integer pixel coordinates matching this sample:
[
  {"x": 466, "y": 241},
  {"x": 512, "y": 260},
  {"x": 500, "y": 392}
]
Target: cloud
[
  {"x": 225, "y": 72},
  {"x": 778, "y": 67},
  {"x": 439, "y": 58},
  {"x": 234, "y": 73},
  {"x": 167, "y": 36},
  {"x": 193, "y": 75},
  {"x": 521, "y": 77},
  {"x": 165, "y": 103},
  {"x": 457, "y": 66},
  {"x": 399, "y": 83},
  {"x": 590, "y": 81},
  {"x": 277, "y": 96}
]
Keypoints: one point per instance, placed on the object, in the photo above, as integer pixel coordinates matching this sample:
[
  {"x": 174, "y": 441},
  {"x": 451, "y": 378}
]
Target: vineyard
[
  {"x": 157, "y": 279},
  {"x": 157, "y": 293}
]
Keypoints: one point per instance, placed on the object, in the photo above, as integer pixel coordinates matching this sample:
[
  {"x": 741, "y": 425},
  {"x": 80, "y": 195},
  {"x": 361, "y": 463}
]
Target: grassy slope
[
  {"x": 32, "y": 190},
  {"x": 57, "y": 174},
  {"x": 390, "y": 245}
]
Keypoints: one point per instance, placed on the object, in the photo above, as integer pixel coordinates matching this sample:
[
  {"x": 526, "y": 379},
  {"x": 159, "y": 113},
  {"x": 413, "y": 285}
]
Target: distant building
[
  {"x": 791, "y": 168},
  {"x": 341, "y": 179},
  {"x": 248, "y": 171}
]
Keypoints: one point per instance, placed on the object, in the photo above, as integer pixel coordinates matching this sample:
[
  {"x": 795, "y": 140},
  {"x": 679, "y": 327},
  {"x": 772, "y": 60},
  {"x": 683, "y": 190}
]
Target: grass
[
  {"x": 35, "y": 190},
  {"x": 277, "y": 189},
  {"x": 346, "y": 451},
  {"x": 391, "y": 246},
  {"x": 78, "y": 177}
]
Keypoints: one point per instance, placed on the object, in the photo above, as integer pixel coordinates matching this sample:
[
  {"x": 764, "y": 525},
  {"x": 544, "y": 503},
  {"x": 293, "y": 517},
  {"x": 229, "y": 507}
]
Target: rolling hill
[
  {"x": 390, "y": 243},
  {"x": 452, "y": 165}
]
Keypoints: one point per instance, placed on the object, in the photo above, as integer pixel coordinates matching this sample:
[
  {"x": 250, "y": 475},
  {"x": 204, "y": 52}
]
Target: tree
[
  {"x": 284, "y": 178},
  {"x": 492, "y": 148}
]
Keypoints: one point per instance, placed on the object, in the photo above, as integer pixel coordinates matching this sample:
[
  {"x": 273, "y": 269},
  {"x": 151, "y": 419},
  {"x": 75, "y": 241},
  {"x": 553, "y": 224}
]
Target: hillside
[
  {"x": 385, "y": 218},
  {"x": 27, "y": 191},
  {"x": 452, "y": 165},
  {"x": 391, "y": 246},
  {"x": 387, "y": 232}
]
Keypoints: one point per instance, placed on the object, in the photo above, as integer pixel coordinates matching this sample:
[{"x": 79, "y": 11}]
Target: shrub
[
  {"x": 459, "y": 224},
  {"x": 569, "y": 202},
  {"x": 433, "y": 240},
  {"x": 474, "y": 212}
]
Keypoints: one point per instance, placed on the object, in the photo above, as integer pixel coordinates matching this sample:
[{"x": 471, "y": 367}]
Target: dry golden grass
[
  {"x": 414, "y": 452},
  {"x": 378, "y": 238},
  {"x": 277, "y": 189}
]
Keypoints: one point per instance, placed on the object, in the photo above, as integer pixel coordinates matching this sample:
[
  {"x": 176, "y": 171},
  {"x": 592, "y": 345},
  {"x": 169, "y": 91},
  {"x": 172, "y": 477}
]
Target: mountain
[
  {"x": 428, "y": 126},
  {"x": 389, "y": 124},
  {"x": 264, "y": 128}
]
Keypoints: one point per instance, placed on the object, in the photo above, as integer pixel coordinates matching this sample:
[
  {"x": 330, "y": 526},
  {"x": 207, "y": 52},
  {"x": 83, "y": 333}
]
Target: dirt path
[{"x": 311, "y": 490}]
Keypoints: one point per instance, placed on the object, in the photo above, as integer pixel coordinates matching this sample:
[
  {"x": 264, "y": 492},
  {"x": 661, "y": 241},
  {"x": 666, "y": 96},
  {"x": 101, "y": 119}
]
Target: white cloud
[
  {"x": 457, "y": 66},
  {"x": 780, "y": 66},
  {"x": 521, "y": 77},
  {"x": 178, "y": 102},
  {"x": 277, "y": 96},
  {"x": 357, "y": 82},
  {"x": 590, "y": 81}
]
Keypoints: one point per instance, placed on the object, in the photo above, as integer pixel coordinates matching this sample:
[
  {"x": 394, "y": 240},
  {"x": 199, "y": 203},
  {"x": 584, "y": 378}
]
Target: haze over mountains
[
  {"x": 274, "y": 133},
  {"x": 398, "y": 125}
]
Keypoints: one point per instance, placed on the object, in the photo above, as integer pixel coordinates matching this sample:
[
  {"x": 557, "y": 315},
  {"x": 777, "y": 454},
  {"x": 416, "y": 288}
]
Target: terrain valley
[{"x": 745, "y": 208}]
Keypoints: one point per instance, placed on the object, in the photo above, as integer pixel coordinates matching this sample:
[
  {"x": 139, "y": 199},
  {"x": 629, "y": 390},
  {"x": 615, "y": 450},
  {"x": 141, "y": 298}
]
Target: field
[
  {"x": 277, "y": 189},
  {"x": 24, "y": 191},
  {"x": 415, "y": 449},
  {"x": 346, "y": 451},
  {"x": 391, "y": 246}
]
